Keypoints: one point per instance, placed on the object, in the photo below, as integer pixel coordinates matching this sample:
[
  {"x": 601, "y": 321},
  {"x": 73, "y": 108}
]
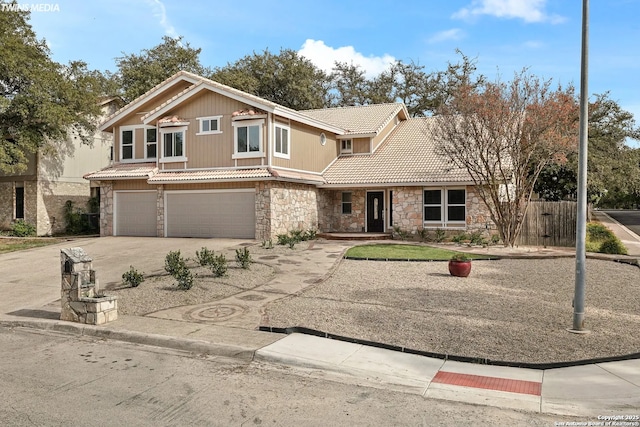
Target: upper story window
[
  {"x": 446, "y": 206},
  {"x": 173, "y": 144},
  {"x": 281, "y": 147},
  {"x": 151, "y": 143},
  {"x": 209, "y": 125},
  {"x": 346, "y": 147},
  {"x": 127, "y": 142},
  {"x": 248, "y": 138}
]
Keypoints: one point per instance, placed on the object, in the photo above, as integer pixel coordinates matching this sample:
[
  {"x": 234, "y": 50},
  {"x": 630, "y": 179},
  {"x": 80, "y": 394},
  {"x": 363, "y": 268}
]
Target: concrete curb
[{"x": 156, "y": 340}]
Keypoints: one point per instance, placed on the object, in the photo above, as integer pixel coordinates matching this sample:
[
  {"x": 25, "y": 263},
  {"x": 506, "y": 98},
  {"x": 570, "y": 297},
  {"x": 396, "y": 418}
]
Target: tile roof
[
  {"x": 406, "y": 157},
  {"x": 124, "y": 171},
  {"x": 297, "y": 176},
  {"x": 208, "y": 175},
  {"x": 361, "y": 119}
]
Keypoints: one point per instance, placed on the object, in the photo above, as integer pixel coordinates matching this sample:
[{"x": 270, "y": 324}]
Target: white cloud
[
  {"x": 324, "y": 57},
  {"x": 442, "y": 36},
  {"x": 527, "y": 10},
  {"x": 160, "y": 12}
]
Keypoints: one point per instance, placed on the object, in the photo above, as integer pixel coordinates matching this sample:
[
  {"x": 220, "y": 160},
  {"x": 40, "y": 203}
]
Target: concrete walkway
[{"x": 29, "y": 285}]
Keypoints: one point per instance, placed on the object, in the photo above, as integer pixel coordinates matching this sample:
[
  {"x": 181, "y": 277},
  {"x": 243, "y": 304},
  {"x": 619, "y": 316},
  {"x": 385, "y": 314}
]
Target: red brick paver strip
[{"x": 489, "y": 383}]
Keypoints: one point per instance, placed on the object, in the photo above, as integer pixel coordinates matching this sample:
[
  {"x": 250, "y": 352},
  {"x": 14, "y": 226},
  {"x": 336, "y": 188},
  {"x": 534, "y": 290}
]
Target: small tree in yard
[{"x": 504, "y": 134}]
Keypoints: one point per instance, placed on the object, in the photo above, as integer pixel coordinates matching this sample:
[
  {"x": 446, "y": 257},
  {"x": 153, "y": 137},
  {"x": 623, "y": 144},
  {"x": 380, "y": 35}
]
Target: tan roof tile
[
  {"x": 361, "y": 119},
  {"x": 297, "y": 176},
  {"x": 407, "y": 156},
  {"x": 209, "y": 175},
  {"x": 124, "y": 171}
]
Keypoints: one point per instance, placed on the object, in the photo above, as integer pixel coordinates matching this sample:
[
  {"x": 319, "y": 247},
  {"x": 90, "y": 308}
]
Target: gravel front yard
[{"x": 514, "y": 310}]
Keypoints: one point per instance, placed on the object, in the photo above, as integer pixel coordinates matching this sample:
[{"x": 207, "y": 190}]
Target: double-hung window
[
  {"x": 248, "y": 138},
  {"x": 151, "y": 142},
  {"x": 127, "y": 142},
  {"x": 173, "y": 144},
  {"x": 209, "y": 125},
  {"x": 281, "y": 147},
  {"x": 347, "y": 197},
  {"x": 346, "y": 147},
  {"x": 444, "y": 206}
]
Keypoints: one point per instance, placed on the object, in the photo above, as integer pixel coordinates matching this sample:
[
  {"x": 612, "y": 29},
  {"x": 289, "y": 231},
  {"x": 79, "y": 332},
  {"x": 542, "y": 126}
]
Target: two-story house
[
  {"x": 195, "y": 158},
  {"x": 39, "y": 194}
]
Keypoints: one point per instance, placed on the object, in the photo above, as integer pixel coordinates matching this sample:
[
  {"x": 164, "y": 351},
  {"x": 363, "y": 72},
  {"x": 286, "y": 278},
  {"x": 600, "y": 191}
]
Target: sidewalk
[{"x": 584, "y": 391}]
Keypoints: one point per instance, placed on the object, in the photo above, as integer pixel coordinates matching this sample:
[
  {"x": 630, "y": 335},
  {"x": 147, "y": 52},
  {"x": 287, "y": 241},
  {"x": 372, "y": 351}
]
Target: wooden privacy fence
[{"x": 549, "y": 224}]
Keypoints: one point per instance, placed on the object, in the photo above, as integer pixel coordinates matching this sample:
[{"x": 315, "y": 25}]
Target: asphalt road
[
  {"x": 49, "y": 379},
  {"x": 628, "y": 218}
]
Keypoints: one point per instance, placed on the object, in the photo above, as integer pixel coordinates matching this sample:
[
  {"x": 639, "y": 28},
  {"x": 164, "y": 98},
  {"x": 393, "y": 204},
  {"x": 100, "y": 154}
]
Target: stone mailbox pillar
[{"x": 81, "y": 298}]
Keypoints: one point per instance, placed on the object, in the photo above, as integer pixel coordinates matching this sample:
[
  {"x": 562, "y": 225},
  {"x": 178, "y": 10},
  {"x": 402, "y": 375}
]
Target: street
[
  {"x": 628, "y": 218},
  {"x": 49, "y": 379}
]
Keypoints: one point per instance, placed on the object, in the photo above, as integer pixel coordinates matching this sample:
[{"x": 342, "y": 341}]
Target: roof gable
[{"x": 360, "y": 120}]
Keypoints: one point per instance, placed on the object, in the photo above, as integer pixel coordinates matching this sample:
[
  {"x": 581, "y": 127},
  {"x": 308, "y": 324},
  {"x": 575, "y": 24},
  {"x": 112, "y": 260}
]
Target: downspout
[{"x": 269, "y": 132}]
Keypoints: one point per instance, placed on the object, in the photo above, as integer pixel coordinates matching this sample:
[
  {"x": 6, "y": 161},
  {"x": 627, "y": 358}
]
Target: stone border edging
[
  {"x": 465, "y": 359},
  {"x": 354, "y": 258},
  {"x": 195, "y": 346}
]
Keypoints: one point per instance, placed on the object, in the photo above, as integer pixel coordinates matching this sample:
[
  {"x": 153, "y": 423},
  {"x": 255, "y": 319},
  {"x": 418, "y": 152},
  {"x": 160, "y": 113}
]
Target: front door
[{"x": 375, "y": 211}]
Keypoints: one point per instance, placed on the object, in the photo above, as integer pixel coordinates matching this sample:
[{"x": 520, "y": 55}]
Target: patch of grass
[
  {"x": 16, "y": 244},
  {"x": 414, "y": 252}
]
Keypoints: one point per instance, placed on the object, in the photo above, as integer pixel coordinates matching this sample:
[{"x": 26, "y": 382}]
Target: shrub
[
  {"x": 175, "y": 265},
  {"x": 402, "y": 234},
  {"x": 459, "y": 238},
  {"x": 204, "y": 257},
  {"x": 439, "y": 236},
  {"x": 267, "y": 244},
  {"x": 132, "y": 278},
  {"x": 22, "y": 228},
  {"x": 477, "y": 239},
  {"x": 297, "y": 235},
  {"x": 219, "y": 265},
  {"x": 243, "y": 258},
  {"x": 310, "y": 234},
  {"x": 495, "y": 239},
  {"x": 184, "y": 278},
  {"x": 597, "y": 231},
  {"x": 613, "y": 246},
  {"x": 283, "y": 239},
  {"x": 460, "y": 257},
  {"x": 424, "y": 234}
]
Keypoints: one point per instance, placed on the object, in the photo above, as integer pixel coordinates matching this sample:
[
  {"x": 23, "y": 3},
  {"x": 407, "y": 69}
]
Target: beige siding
[
  {"x": 305, "y": 149},
  {"x": 361, "y": 145},
  {"x": 209, "y": 186},
  {"x": 382, "y": 135},
  {"x": 134, "y": 184}
]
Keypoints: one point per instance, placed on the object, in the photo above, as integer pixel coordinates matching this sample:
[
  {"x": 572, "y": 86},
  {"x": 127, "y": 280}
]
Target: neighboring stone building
[
  {"x": 195, "y": 158},
  {"x": 39, "y": 194}
]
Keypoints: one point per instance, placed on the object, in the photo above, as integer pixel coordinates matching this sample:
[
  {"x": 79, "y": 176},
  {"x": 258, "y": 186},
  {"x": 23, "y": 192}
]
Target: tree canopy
[
  {"x": 40, "y": 100},
  {"x": 137, "y": 73},
  {"x": 504, "y": 134},
  {"x": 286, "y": 78}
]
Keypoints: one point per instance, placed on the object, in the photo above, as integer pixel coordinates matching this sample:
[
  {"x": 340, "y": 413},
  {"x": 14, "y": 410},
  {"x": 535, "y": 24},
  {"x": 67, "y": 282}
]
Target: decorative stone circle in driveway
[{"x": 214, "y": 313}]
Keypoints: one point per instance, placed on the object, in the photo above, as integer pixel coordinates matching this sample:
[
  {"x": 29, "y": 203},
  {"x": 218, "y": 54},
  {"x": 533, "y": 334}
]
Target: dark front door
[{"x": 375, "y": 211}]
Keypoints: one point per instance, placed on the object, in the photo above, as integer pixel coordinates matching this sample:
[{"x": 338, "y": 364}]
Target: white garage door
[
  {"x": 135, "y": 213},
  {"x": 211, "y": 214}
]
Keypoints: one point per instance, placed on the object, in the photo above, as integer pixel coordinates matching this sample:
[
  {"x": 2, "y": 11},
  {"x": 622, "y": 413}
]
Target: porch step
[{"x": 355, "y": 236}]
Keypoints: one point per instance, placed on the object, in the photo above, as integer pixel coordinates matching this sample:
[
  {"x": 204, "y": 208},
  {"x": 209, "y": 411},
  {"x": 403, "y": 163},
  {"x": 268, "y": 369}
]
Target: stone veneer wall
[
  {"x": 52, "y": 198},
  {"x": 106, "y": 208},
  {"x": 160, "y": 211},
  {"x": 331, "y": 218},
  {"x": 407, "y": 207},
  {"x": 283, "y": 206},
  {"x": 478, "y": 217},
  {"x": 6, "y": 205}
]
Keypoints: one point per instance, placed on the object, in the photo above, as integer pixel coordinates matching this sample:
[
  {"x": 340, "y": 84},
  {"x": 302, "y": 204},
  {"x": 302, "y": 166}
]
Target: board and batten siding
[{"x": 306, "y": 152}]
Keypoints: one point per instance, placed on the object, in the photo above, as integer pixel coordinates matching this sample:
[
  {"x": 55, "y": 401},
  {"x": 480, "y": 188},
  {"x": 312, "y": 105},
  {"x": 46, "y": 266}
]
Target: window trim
[
  {"x": 276, "y": 153},
  {"x": 132, "y": 129},
  {"x": 248, "y": 154},
  {"x": 346, "y": 150},
  {"x": 173, "y": 130},
  {"x": 147, "y": 143},
  {"x": 444, "y": 208},
  {"x": 346, "y": 203},
  {"x": 201, "y": 121},
  {"x": 19, "y": 205}
]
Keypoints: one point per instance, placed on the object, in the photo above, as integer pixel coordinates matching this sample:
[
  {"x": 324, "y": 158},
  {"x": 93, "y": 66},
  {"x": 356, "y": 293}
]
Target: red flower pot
[{"x": 459, "y": 268}]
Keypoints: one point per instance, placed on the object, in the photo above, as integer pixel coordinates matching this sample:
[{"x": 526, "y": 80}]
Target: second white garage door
[{"x": 211, "y": 214}]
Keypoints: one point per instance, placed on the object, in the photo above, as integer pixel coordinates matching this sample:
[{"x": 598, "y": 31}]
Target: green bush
[
  {"x": 495, "y": 239},
  {"x": 175, "y": 265},
  {"x": 132, "y": 278},
  {"x": 310, "y": 234},
  {"x": 243, "y": 258},
  {"x": 439, "y": 236},
  {"x": 459, "y": 238},
  {"x": 597, "y": 231},
  {"x": 219, "y": 266},
  {"x": 477, "y": 239},
  {"x": 22, "y": 228},
  {"x": 204, "y": 257},
  {"x": 613, "y": 246}
]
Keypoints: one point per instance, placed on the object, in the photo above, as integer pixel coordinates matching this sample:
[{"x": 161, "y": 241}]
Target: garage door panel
[
  {"x": 135, "y": 213},
  {"x": 211, "y": 214}
]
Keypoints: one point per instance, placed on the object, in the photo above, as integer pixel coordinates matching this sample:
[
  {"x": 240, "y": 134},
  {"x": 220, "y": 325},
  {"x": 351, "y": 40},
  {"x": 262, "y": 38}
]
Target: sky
[{"x": 504, "y": 36}]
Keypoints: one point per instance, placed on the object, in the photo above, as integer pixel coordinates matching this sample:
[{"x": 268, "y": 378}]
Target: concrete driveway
[{"x": 31, "y": 279}]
